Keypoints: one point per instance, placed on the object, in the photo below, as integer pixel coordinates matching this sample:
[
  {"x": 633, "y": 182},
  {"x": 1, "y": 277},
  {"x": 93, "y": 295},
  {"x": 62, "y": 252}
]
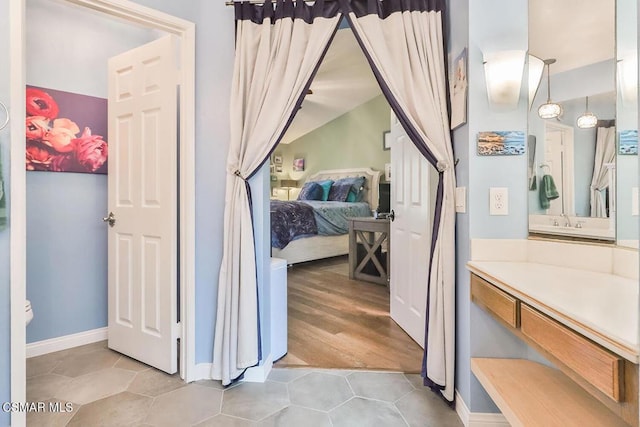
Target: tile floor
[{"x": 108, "y": 389}]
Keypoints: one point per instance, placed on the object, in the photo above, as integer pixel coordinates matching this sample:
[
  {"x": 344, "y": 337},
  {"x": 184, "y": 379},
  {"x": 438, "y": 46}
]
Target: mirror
[{"x": 575, "y": 172}]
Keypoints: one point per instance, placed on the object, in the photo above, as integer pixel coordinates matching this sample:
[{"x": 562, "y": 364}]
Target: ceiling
[
  {"x": 343, "y": 82},
  {"x": 575, "y": 32}
]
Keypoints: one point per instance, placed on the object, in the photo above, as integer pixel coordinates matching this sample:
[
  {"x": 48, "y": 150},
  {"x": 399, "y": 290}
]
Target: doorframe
[
  {"x": 149, "y": 18},
  {"x": 568, "y": 168}
]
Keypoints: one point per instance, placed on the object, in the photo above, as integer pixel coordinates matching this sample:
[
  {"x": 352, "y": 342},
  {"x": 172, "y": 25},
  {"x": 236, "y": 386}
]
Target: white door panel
[
  {"x": 411, "y": 234},
  {"x": 143, "y": 197}
]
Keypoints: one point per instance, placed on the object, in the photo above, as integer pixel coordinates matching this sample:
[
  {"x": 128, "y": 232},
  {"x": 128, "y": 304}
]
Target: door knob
[
  {"x": 392, "y": 215},
  {"x": 111, "y": 219}
]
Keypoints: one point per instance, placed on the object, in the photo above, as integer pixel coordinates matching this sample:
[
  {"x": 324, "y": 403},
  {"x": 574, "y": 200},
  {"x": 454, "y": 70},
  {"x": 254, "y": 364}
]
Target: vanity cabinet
[
  {"x": 596, "y": 365},
  {"x": 497, "y": 302},
  {"x": 592, "y": 386}
]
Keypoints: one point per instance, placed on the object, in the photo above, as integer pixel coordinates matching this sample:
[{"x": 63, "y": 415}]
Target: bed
[{"x": 324, "y": 246}]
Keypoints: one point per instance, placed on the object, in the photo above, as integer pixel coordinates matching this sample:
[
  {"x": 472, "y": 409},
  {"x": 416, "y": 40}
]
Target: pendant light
[
  {"x": 587, "y": 120},
  {"x": 550, "y": 110}
]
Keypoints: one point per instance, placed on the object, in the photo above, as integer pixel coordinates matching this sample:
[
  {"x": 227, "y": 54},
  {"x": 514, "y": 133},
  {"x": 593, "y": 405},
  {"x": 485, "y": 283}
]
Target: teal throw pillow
[{"x": 326, "y": 187}]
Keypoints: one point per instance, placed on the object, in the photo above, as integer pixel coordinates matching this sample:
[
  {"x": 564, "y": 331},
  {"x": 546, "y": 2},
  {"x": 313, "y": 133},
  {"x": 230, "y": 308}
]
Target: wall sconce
[
  {"x": 536, "y": 67},
  {"x": 503, "y": 75},
  {"x": 628, "y": 77}
]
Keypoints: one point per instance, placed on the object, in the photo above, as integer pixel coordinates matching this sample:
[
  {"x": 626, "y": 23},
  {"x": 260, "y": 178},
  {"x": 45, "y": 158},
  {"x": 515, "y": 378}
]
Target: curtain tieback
[
  {"x": 442, "y": 166},
  {"x": 239, "y": 175}
]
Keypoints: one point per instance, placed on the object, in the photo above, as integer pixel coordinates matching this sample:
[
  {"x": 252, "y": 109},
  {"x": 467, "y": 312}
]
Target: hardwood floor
[{"x": 335, "y": 322}]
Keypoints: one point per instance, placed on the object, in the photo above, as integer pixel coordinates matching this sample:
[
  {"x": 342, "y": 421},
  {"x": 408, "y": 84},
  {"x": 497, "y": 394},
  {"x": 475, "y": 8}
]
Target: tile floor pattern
[{"x": 108, "y": 389}]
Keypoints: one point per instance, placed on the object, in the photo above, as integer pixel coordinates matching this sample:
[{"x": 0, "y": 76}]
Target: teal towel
[{"x": 548, "y": 191}]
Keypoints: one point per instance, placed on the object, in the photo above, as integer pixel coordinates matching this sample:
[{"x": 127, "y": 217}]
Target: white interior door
[
  {"x": 143, "y": 199},
  {"x": 410, "y": 233}
]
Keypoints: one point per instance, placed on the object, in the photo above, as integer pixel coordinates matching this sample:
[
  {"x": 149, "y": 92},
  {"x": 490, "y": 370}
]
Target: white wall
[{"x": 5, "y": 142}]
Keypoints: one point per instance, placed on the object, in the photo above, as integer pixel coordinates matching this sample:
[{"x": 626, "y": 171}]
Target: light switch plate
[
  {"x": 461, "y": 199},
  {"x": 498, "y": 201},
  {"x": 634, "y": 201}
]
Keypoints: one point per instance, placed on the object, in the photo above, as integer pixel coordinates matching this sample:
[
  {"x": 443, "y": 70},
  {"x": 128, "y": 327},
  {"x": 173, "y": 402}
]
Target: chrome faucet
[{"x": 566, "y": 217}]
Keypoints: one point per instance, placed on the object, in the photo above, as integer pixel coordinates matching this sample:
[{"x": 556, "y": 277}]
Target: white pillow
[{"x": 294, "y": 192}]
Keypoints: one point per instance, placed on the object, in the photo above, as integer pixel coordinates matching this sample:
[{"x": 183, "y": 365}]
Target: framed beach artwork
[
  {"x": 501, "y": 143},
  {"x": 65, "y": 132},
  {"x": 458, "y": 90},
  {"x": 628, "y": 142}
]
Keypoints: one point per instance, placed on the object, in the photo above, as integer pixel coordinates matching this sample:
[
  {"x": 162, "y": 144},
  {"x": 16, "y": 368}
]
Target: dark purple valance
[
  {"x": 286, "y": 9},
  {"x": 384, "y": 8}
]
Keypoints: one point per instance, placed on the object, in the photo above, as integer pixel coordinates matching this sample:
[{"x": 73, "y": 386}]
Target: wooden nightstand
[{"x": 370, "y": 234}]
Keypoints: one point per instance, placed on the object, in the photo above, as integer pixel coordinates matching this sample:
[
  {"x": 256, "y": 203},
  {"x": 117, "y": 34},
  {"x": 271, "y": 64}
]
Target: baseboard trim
[
  {"x": 202, "y": 371},
  {"x": 257, "y": 374},
  {"x": 39, "y": 348},
  {"x": 478, "y": 419}
]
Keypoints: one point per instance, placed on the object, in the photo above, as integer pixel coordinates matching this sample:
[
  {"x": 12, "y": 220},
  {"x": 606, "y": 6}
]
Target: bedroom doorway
[{"x": 345, "y": 123}]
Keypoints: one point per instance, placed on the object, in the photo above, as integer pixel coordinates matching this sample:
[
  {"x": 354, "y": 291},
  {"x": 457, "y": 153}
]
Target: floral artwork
[
  {"x": 65, "y": 132},
  {"x": 298, "y": 165}
]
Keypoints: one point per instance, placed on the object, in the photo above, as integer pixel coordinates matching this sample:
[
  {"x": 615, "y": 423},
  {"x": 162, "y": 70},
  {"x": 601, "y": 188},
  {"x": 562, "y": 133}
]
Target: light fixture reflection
[
  {"x": 587, "y": 120},
  {"x": 551, "y": 109}
]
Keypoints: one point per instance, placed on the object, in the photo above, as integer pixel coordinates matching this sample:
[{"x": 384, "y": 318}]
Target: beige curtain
[
  {"x": 278, "y": 49},
  {"x": 604, "y": 157},
  {"x": 403, "y": 41}
]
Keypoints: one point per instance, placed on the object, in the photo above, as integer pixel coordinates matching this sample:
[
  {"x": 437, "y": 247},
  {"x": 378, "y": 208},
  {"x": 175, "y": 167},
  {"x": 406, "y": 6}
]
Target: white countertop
[{"x": 601, "y": 306}]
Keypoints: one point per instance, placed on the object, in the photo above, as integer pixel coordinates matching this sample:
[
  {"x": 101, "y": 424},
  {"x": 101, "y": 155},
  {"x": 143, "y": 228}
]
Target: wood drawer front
[
  {"x": 501, "y": 304},
  {"x": 601, "y": 368}
]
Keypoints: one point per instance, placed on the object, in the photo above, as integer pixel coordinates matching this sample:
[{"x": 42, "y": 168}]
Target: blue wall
[
  {"x": 458, "y": 26},
  {"x": 66, "y": 239},
  {"x": 66, "y": 253},
  {"x": 479, "y": 334}
]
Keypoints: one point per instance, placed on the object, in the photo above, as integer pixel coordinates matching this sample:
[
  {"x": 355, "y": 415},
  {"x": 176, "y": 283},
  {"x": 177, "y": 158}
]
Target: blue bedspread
[
  {"x": 332, "y": 217},
  {"x": 291, "y": 220},
  {"x": 296, "y": 219}
]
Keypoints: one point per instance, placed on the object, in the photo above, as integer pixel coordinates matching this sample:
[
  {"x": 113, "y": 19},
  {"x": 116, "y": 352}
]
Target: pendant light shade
[
  {"x": 587, "y": 120},
  {"x": 551, "y": 109}
]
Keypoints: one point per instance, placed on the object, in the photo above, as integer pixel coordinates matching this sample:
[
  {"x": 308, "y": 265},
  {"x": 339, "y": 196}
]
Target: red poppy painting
[{"x": 65, "y": 132}]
